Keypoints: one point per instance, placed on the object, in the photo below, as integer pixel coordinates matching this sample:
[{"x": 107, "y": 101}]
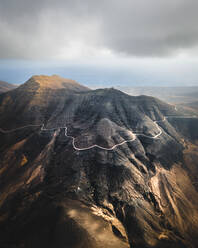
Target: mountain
[
  {"x": 83, "y": 168},
  {"x": 4, "y": 86}
]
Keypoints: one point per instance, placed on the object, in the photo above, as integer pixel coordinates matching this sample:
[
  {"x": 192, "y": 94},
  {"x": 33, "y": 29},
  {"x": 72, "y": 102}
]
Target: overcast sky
[{"x": 135, "y": 41}]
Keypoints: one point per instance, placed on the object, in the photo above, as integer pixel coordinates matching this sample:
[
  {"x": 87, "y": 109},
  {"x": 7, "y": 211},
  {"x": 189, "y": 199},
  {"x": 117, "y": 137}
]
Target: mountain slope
[
  {"x": 100, "y": 168},
  {"x": 4, "y": 86}
]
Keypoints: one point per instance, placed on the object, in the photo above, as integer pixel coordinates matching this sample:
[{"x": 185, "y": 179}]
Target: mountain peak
[{"x": 55, "y": 82}]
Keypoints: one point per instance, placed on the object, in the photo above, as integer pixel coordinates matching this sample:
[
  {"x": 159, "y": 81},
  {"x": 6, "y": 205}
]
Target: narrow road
[
  {"x": 93, "y": 146},
  {"x": 134, "y": 134}
]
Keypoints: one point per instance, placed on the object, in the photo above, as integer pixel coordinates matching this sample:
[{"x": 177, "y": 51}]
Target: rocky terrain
[
  {"x": 59, "y": 190},
  {"x": 4, "y": 86}
]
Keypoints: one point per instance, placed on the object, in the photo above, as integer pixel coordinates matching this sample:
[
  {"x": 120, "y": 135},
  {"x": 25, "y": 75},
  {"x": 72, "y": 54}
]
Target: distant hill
[
  {"x": 4, "y": 86},
  {"x": 192, "y": 106},
  {"x": 175, "y": 95}
]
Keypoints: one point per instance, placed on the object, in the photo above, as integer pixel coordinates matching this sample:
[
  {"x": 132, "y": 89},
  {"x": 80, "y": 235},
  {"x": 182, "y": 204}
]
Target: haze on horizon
[{"x": 101, "y": 43}]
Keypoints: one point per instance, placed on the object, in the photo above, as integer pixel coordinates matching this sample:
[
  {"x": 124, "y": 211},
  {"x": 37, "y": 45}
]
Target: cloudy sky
[{"x": 106, "y": 42}]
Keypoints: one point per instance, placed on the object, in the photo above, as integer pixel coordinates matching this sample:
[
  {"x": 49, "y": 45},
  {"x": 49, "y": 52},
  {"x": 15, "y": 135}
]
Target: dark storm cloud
[{"x": 47, "y": 28}]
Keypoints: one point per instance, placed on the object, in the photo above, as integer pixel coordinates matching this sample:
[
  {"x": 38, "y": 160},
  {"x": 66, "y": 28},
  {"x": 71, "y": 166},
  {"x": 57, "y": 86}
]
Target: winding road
[
  {"x": 93, "y": 146},
  {"x": 134, "y": 134}
]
